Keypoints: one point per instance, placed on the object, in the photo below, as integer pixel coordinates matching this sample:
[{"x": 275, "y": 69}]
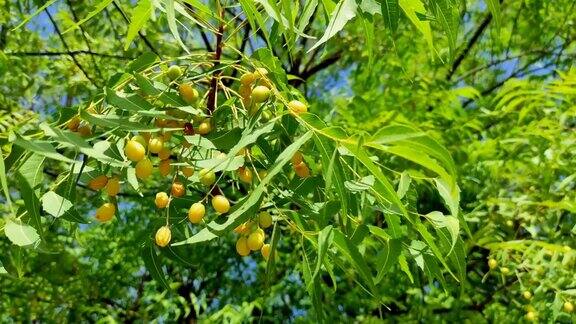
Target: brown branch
[
  {"x": 475, "y": 37},
  {"x": 211, "y": 104},
  {"x": 316, "y": 68},
  {"x": 69, "y": 53},
  {"x": 83, "y": 32},
  {"x": 146, "y": 41},
  {"x": 68, "y": 49}
]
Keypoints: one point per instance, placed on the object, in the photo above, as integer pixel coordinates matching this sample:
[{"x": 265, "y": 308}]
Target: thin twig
[
  {"x": 83, "y": 32},
  {"x": 68, "y": 49},
  {"x": 72, "y": 53},
  {"x": 211, "y": 105}
]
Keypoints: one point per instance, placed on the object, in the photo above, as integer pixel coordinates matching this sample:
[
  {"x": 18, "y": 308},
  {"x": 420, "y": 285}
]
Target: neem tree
[{"x": 222, "y": 142}]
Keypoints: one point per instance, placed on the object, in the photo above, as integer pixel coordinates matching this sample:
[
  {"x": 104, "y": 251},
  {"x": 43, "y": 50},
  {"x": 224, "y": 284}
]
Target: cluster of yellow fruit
[
  {"x": 299, "y": 165},
  {"x": 252, "y": 235},
  {"x": 255, "y": 89},
  {"x": 79, "y": 126}
]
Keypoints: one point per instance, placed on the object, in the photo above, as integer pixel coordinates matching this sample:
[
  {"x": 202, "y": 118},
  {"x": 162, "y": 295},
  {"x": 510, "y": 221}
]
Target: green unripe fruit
[
  {"x": 207, "y": 177},
  {"x": 260, "y": 94},
  {"x": 174, "y": 72}
]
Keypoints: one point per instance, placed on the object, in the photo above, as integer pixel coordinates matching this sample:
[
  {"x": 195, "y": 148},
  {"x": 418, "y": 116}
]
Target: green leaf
[
  {"x": 325, "y": 238},
  {"x": 39, "y": 10},
  {"x": 143, "y": 62},
  {"x": 140, "y": 15},
  {"x": 403, "y": 184},
  {"x": 74, "y": 140},
  {"x": 388, "y": 257},
  {"x": 345, "y": 11},
  {"x": 351, "y": 252},
  {"x": 494, "y": 7},
  {"x": 404, "y": 267},
  {"x": 41, "y": 148},
  {"x": 54, "y": 204},
  {"x": 411, "y": 9},
  {"x": 99, "y": 7},
  {"x": 120, "y": 122},
  {"x": 447, "y": 14},
  {"x": 390, "y": 13},
  {"x": 21, "y": 234},
  {"x": 30, "y": 175},
  {"x": 4, "y": 183},
  {"x": 154, "y": 265},
  {"x": 451, "y": 223},
  {"x": 171, "y": 17}
]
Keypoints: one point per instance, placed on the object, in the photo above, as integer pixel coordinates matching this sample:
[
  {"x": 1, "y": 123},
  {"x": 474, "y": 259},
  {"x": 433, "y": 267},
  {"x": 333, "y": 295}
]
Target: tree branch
[
  {"x": 211, "y": 104},
  {"x": 475, "y": 37},
  {"x": 83, "y": 32},
  {"x": 68, "y": 49},
  {"x": 316, "y": 68},
  {"x": 69, "y": 53}
]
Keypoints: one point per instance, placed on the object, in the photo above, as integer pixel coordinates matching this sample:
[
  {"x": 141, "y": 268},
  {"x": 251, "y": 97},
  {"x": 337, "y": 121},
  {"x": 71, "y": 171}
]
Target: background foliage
[{"x": 490, "y": 81}]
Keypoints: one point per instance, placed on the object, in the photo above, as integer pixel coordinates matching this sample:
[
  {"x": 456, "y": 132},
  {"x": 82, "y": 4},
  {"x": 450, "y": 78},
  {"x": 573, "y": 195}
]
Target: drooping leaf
[
  {"x": 140, "y": 15},
  {"x": 21, "y": 234},
  {"x": 99, "y": 7},
  {"x": 391, "y": 13},
  {"x": 345, "y": 11}
]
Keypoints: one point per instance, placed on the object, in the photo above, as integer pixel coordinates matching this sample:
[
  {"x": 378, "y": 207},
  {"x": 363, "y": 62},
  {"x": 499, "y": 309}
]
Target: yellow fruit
[
  {"x": 265, "y": 219},
  {"x": 531, "y": 316},
  {"x": 105, "y": 212},
  {"x": 568, "y": 307},
  {"x": 527, "y": 295},
  {"x": 204, "y": 127},
  {"x": 113, "y": 187},
  {"x": 207, "y": 177},
  {"x": 155, "y": 145},
  {"x": 255, "y": 241},
  {"x": 188, "y": 93},
  {"x": 164, "y": 153},
  {"x": 260, "y": 94},
  {"x": 98, "y": 183},
  {"x": 144, "y": 169},
  {"x": 140, "y": 139},
  {"x": 265, "y": 250},
  {"x": 220, "y": 204},
  {"x": 164, "y": 167},
  {"x": 247, "y": 78},
  {"x": 188, "y": 171},
  {"x": 302, "y": 170},
  {"x": 178, "y": 189},
  {"x": 505, "y": 270},
  {"x": 297, "y": 107},
  {"x": 196, "y": 213},
  {"x": 161, "y": 200},
  {"x": 174, "y": 72},
  {"x": 492, "y": 264},
  {"x": 297, "y": 158},
  {"x": 240, "y": 229},
  {"x": 134, "y": 151},
  {"x": 242, "y": 246},
  {"x": 262, "y": 174},
  {"x": 84, "y": 129},
  {"x": 73, "y": 123},
  {"x": 245, "y": 175},
  {"x": 163, "y": 236}
]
